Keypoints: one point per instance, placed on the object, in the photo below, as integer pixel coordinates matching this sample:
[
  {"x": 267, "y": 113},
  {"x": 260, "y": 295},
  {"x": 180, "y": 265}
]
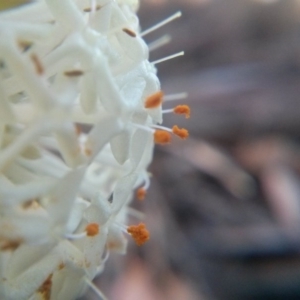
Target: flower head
[{"x": 79, "y": 100}]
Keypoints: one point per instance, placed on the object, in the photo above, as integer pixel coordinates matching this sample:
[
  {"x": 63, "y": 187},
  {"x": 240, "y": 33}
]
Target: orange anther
[
  {"x": 92, "y": 229},
  {"x": 162, "y": 137},
  {"x": 182, "y": 133},
  {"x": 73, "y": 73},
  {"x": 129, "y": 32},
  {"x": 183, "y": 110},
  {"x": 154, "y": 100},
  {"x": 141, "y": 193},
  {"x": 89, "y": 9},
  {"x": 45, "y": 288},
  {"x": 39, "y": 69},
  {"x": 139, "y": 233}
]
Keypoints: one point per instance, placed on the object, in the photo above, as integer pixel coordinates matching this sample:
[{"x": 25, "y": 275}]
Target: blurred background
[{"x": 224, "y": 206}]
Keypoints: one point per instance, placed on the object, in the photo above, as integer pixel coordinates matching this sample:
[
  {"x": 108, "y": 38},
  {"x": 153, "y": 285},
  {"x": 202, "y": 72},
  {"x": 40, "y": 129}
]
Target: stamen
[
  {"x": 139, "y": 233},
  {"x": 92, "y": 229},
  {"x": 178, "y": 96},
  {"x": 95, "y": 289},
  {"x": 129, "y": 32},
  {"x": 122, "y": 227},
  {"x": 39, "y": 69},
  {"x": 164, "y": 40},
  {"x": 182, "y": 133},
  {"x": 90, "y": 9},
  {"x": 162, "y": 137},
  {"x": 160, "y": 24},
  {"x": 154, "y": 100},
  {"x": 180, "y": 110},
  {"x": 183, "y": 110},
  {"x": 73, "y": 73},
  {"x": 168, "y": 58},
  {"x": 141, "y": 193}
]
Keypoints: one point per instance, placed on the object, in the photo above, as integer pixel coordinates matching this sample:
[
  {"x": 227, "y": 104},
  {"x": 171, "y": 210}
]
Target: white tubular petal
[
  {"x": 2, "y": 134},
  {"x": 63, "y": 197},
  {"x": 132, "y": 91},
  {"x": 116, "y": 240},
  {"x": 72, "y": 257},
  {"x": 120, "y": 146},
  {"x": 88, "y": 97},
  {"x": 156, "y": 114},
  {"x": 122, "y": 191},
  {"x": 67, "y": 90},
  {"x": 93, "y": 250},
  {"x": 31, "y": 152},
  {"x": 69, "y": 145},
  {"x": 99, "y": 211},
  {"x": 68, "y": 53},
  {"x": 100, "y": 20},
  {"x": 6, "y": 113},
  {"x": 24, "y": 285},
  {"x": 28, "y": 32},
  {"x": 49, "y": 165},
  {"x": 67, "y": 284},
  {"x": 24, "y": 257},
  {"x": 28, "y": 136},
  {"x": 12, "y": 86},
  {"x": 135, "y": 48},
  {"x": 27, "y": 226},
  {"x": 17, "y": 194},
  {"x": 138, "y": 146},
  {"x": 108, "y": 91},
  {"x": 19, "y": 175},
  {"x": 76, "y": 215},
  {"x": 101, "y": 134},
  {"x": 23, "y": 69},
  {"x": 67, "y": 14},
  {"x": 31, "y": 12}
]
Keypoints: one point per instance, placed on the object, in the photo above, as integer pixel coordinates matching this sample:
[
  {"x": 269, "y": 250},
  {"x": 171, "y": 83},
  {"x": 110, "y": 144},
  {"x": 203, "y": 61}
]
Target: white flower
[{"x": 79, "y": 104}]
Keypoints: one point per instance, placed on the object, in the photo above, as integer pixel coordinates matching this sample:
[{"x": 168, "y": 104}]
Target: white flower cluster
[{"x": 75, "y": 140}]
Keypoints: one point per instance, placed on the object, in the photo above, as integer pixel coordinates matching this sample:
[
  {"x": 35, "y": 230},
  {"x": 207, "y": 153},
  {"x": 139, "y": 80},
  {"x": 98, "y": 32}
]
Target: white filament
[
  {"x": 168, "y": 58},
  {"x": 162, "y": 23}
]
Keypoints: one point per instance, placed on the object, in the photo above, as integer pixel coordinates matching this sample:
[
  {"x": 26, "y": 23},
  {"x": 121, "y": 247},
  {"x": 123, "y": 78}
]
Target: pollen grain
[
  {"x": 181, "y": 132},
  {"x": 139, "y": 233},
  {"x": 141, "y": 194},
  {"x": 183, "y": 110}
]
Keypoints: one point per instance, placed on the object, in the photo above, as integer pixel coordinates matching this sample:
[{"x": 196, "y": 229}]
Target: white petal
[
  {"x": 140, "y": 142},
  {"x": 101, "y": 134},
  {"x": 123, "y": 190},
  {"x": 63, "y": 197},
  {"x": 120, "y": 146},
  {"x": 116, "y": 240}
]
